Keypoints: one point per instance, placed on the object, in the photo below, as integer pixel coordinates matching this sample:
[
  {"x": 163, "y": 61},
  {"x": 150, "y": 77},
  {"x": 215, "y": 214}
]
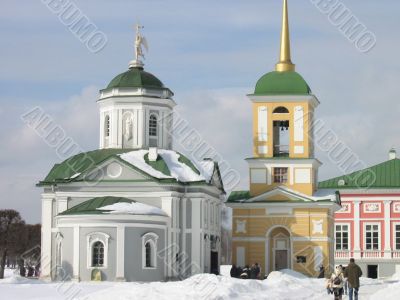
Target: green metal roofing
[
  {"x": 282, "y": 83},
  {"x": 90, "y": 207},
  {"x": 74, "y": 168},
  {"x": 78, "y": 164},
  {"x": 238, "y": 195},
  {"x": 136, "y": 77},
  {"x": 383, "y": 175},
  {"x": 159, "y": 164}
]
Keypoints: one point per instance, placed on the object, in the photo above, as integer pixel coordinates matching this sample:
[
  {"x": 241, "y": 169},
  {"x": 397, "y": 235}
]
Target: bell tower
[{"x": 283, "y": 108}]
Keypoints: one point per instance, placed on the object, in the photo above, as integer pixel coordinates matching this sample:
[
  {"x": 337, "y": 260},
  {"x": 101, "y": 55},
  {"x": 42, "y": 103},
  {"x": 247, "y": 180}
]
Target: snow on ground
[
  {"x": 135, "y": 208},
  {"x": 285, "y": 285}
]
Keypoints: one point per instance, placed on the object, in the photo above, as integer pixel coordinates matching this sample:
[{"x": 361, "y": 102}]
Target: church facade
[
  {"x": 282, "y": 221},
  {"x": 133, "y": 210}
]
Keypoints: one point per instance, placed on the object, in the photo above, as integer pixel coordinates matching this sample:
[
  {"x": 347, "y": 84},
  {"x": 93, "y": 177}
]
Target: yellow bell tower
[
  {"x": 282, "y": 221},
  {"x": 283, "y": 109}
]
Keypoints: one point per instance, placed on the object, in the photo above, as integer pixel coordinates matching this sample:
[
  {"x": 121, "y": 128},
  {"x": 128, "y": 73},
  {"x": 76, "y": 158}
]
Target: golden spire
[{"x": 285, "y": 63}]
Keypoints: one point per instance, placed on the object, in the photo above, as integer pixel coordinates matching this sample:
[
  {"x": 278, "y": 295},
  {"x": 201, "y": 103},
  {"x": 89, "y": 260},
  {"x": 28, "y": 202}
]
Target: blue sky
[{"x": 211, "y": 54}]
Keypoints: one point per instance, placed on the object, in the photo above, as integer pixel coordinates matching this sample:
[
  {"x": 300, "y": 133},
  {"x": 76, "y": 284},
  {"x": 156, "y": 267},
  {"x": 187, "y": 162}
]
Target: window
[
  {"x": 153, "y": 125},
  {"x": 397, "y": 236},
  {"x": 280, "y": 175},
  {"x": 98, "y": 254},
  {"x": 107, "y": 126},
  {"x": 148, "y": 255},
  {"x": 342, "y": 237},
  {"x": 149, "y": 244},
  {"x": 280, "y": 110},
  {"x": 372, "y": 237}
]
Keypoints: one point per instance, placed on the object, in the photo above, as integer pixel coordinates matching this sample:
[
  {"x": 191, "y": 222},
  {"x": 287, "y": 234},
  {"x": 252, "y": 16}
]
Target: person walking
[
  {"x": 353, "y": 273},
  {"x": 336, "y": 283},
  {"x": 321, "y": 271},
  {"x": 234, "y": 271}
]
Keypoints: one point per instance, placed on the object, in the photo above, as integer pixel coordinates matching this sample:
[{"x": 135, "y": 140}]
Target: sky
[{"x": 210, "y": 54}]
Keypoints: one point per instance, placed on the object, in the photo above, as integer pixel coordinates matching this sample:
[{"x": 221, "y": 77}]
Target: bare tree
[{"x": 10, "y": 224}]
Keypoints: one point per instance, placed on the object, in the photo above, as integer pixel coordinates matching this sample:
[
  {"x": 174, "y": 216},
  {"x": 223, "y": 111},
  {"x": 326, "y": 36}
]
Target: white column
[
  {"x": 62, "y": 204},
  {"x": 197, "y": 235},
  {"x": 356, "y": 225},
  {"x": 388, "y": 248},
  {"x": 47, "y": 218},
  {"x": 166, "y": 205},
  {"x": 120, "y": 272},
  {"x": 76, "y": 258}
]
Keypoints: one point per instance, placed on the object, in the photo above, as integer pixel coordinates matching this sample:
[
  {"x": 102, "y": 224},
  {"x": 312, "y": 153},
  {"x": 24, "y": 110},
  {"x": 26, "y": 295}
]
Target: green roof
[
  {"x": 90, "y": 207},
  {"x": 74, "y": 168},
  {"x": 136, "y": 77},
  {"x": 282, "y": 83},
  {"x": 238, "y": 195},
  {"x": 79, "y": 163},
  {"x": 383, "y": 175}
]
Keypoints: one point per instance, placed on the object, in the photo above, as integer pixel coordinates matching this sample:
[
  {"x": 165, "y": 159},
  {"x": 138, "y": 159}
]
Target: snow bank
[
  {"x": 282, "y": 285},
  {"x": 391, "y": 292},
  {"x": 135, "y": 208},
  {"x": 16, "y": 279}
]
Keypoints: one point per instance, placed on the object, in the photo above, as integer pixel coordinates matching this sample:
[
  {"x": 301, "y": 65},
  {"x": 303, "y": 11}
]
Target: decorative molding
[
  {"x": 374, "y": 207},
  {"x": 318, "y": 226},
  {"x": 396, "y": 207},
  {"x": 346, "y": 208},
  {"x": 92, "y": 238},
  {"x": 241, "y": 226}
]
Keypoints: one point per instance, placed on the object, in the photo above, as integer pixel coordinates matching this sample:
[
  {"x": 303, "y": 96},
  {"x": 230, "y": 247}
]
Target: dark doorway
[
  {"x": 214, "y": 263},
  {"x": 373, "y": 271}
]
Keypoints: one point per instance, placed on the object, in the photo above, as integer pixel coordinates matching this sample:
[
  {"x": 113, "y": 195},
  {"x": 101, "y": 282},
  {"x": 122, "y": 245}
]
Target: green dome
[
  {"x": 282, "y": 83},
  {"x": 136, "y": 77}
]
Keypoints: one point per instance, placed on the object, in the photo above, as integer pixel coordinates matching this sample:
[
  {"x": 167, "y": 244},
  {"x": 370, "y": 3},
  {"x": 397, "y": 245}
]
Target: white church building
[{"x": 133, "y": 210}]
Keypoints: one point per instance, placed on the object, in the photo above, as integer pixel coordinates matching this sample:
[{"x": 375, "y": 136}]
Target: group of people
[
  {"x": 253, "y": 272},
  {"x": 345, "y": 280}
]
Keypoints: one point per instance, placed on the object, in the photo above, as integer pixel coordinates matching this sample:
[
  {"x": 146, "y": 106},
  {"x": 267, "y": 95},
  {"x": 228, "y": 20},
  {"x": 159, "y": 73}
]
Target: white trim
[
  {"x": 394, "y": 235},
  {"x": 152, "y": 238},
  {"x": 103, "y": 238},
  {"x": 257, "y": 239},
  {"x": 285, "y": 98},
  {"x": 349, "y": 237},
  {"x": 387, "y": 232},
  {"x": 365, "y": 236}
]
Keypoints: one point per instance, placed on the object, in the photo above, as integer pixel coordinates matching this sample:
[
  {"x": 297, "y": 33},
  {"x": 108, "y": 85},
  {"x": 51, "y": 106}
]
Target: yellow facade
[{"x": 279, "y": 222}]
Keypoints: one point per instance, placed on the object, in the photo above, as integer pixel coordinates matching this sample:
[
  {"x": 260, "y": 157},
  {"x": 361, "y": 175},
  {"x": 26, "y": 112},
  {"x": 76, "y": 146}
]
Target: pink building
[{"x": 368, "y": 225}]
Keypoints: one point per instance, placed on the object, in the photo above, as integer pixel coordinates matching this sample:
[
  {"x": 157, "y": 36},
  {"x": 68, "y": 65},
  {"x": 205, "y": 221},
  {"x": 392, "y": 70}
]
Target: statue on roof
[{"x": 140, "y": 42}]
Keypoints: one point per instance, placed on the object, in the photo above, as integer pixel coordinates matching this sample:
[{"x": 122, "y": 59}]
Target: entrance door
[
  {"x": 214, "y": 263},
  {"x": 373, "y": 271},
  {"x": 281, "y": 257}
]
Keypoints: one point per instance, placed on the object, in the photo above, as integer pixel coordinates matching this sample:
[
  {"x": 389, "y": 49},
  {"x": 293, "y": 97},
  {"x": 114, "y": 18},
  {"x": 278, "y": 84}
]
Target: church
[
  {"x": 134, "y": 209},
  {"x": 282, "y": 221}
]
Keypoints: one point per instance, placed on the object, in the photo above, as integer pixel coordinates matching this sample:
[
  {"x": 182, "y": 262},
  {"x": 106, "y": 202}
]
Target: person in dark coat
[
  {"x": 353, "y": 273},
  {"x": 253, "y": 272},
  {"x": 258, "y": 271},
  {"x": 234, "y": 271},
  {"x": 321, "y": 272}
]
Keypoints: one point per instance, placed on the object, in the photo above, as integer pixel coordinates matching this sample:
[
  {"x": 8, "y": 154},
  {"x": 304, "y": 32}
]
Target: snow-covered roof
[{"x": 134, "y": 208}]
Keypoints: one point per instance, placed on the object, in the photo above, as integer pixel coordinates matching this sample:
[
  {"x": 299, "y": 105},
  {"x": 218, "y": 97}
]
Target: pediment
[{"x": 280, "y": 194}]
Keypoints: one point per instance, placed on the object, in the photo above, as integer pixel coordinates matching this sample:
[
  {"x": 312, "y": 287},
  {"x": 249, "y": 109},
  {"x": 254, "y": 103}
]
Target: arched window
[
  {"x": 149, "y": 244},
  {"x": 153, "y": 125},
  {"x": 107, "y": 126},
  {"x": 148, "y": 255},
  {"x": 281, "y": 110},
  {"x": 97, "y": 254}
]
